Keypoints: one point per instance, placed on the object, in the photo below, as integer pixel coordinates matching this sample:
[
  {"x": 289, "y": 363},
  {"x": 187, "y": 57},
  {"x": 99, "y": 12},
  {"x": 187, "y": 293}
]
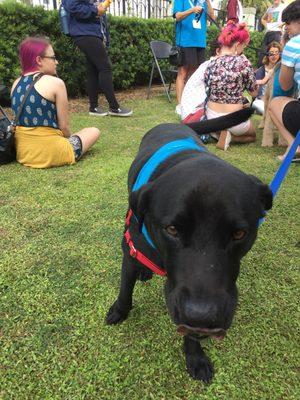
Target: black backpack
[
  {"x": 7, "y": 139},
  {"x": 7, "y": 129}
]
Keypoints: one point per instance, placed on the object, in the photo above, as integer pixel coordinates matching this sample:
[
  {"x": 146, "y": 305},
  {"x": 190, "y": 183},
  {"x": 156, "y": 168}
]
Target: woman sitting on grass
[
  {"x": 43, "y": 137},
  {"x": 265, "y": 72},
  {"x": 226, "y": 78}
]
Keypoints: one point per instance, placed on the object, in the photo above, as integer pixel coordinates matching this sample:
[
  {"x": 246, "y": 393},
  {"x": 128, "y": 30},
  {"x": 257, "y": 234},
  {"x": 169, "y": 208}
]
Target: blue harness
[{"x": 164, "y": 152}]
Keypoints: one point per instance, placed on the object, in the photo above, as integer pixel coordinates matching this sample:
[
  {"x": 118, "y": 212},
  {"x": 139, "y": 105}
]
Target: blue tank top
[
  {"x": 277, "y": 89},
  {"x": 37, "y": 110}
]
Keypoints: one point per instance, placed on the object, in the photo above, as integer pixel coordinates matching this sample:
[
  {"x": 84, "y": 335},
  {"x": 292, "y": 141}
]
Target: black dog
[{"x": 196, "y": 217}]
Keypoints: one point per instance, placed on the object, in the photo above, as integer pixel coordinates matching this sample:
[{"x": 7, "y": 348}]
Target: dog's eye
[
  {"x": 238, "y": 235},
  {"x": 172, "y": 230}
]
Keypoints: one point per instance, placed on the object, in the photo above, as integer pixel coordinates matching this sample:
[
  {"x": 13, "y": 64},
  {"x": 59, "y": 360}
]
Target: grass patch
[{"x": 60, "y": 232}]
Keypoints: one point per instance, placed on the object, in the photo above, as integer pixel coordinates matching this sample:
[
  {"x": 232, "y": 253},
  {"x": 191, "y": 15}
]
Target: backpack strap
[{"x": 35, "y": 79}]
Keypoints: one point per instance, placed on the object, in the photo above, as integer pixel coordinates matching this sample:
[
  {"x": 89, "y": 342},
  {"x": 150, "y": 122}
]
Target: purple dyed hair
[{"x": 29, "y": 49}]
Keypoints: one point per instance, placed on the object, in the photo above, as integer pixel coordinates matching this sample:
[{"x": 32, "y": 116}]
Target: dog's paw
[
  {"x": 199, "y": 367},
  {"x": 115, "y": 315}
]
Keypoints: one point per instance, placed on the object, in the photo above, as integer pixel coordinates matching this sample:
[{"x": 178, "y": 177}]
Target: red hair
[
  {"x": 29, "y": 49},
  {"x": 233, "y": 33}
]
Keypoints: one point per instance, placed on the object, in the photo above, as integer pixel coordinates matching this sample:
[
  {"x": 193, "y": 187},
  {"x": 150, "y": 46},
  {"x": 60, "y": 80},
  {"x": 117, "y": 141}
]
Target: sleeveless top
[
  {"x": 37, "y": 110},
  {"x": 39, "y": 142}
]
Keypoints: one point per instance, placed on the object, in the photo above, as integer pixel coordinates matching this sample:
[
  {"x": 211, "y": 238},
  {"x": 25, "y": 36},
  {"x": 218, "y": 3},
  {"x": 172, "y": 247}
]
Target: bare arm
[
  {"x": 180, "y": 15},
  {"x": 264, "y": 19},
  {"x": 210, "y": 10},
  {"x": 266, "y": 78},
  {"x": 61, "y": 101},
  {"x": 286, "y": 77}
]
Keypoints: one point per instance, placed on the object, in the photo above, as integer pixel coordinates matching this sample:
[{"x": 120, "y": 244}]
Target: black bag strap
[{"x": 35, "y": 79}]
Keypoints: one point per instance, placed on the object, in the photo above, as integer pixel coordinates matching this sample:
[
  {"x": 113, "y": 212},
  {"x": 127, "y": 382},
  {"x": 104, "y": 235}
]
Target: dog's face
[{"x": 203, "y": 218}]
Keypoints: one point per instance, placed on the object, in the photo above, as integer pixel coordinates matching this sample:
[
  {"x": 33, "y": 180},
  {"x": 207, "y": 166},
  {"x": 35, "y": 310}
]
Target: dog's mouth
[{"x": 201, "y": 333}]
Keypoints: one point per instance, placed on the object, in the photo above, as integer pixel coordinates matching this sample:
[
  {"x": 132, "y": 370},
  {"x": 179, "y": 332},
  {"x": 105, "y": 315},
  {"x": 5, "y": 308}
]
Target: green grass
[{"x": 60, "y": 233}]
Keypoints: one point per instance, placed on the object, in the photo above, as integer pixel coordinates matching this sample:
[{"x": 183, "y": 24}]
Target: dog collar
[
  {"x": 137, "y": 254},
  {"x": 164, "y": 152}
]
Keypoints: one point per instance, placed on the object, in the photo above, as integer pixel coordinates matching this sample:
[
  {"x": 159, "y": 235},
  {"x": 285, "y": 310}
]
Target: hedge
[{"x": 129, "y": 51}]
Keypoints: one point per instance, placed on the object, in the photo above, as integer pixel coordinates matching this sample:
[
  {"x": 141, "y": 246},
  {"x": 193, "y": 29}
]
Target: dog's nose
[{"x": 202, "y": 314}]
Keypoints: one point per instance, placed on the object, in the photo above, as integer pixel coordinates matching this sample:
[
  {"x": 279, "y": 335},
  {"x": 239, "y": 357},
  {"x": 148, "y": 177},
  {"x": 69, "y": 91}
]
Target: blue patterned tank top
[{"x": 37, "y": 110}]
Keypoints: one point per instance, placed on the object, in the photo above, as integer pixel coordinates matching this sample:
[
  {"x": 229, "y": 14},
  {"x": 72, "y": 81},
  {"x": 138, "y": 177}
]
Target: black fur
[{"x": 210, "y": 203}]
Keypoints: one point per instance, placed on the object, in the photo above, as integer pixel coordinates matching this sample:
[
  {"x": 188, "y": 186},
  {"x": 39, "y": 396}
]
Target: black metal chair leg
[
  {"x": 163, "y": 81},
  {"x": 150, "y": 82}
]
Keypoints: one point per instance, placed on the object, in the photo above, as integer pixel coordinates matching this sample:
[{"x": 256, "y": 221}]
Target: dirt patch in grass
[
  {"x": 82, "y": 104},
  {"x": 140, "y": 92}
]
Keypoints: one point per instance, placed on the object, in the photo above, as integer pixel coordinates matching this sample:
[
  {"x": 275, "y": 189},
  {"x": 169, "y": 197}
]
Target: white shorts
[{"x": 237, "y": 130}]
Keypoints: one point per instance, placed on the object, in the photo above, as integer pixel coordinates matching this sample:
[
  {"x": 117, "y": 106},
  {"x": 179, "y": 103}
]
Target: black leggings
[{"x": 99, "y": 74}]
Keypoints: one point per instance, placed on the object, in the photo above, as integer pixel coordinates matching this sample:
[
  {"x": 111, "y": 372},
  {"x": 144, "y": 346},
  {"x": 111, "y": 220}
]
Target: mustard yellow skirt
[{"x": 43, "y": 147}]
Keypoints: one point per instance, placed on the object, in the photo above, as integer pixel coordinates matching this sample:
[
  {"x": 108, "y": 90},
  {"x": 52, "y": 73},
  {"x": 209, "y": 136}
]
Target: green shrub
[{"x": 129, "y": 50}]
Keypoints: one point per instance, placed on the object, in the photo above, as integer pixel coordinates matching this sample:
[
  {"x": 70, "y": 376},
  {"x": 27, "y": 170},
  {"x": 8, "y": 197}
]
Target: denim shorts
[{"x": 77, "y": 146}]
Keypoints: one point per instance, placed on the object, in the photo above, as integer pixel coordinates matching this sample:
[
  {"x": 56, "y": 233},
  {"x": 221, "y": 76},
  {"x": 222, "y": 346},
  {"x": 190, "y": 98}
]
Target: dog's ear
[
  {"x": 265, "y": 193},
  {"x": 139, "y": 201}
]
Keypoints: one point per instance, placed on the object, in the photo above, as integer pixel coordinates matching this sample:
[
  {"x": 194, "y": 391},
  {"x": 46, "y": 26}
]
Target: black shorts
[
  {"x": 193, "y": 56},
  {"x": 291, "y": 117}
]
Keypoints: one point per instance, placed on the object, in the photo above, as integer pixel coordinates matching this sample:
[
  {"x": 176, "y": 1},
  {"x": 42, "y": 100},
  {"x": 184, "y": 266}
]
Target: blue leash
[{"x": 283, "y": 169}]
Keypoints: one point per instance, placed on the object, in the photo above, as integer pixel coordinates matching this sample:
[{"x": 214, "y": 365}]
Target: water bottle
[{"x": 64, "y": 20}]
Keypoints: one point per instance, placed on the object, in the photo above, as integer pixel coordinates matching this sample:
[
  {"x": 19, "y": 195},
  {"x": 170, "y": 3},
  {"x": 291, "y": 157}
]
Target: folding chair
[{"x": 160, "y": 51}]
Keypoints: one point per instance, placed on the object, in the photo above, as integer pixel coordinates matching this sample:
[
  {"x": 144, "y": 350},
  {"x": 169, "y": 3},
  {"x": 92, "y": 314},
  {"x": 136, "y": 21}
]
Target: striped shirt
[{"x": 291, "y": 57}]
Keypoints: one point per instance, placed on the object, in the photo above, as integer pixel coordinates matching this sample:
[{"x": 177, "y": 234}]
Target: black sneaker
[
  {"x": 98, "y": 111},
  {"x": 120, "y": 112}
]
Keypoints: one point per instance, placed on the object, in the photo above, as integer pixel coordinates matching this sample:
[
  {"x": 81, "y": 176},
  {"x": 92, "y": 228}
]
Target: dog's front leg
[
  {"x": 197, "y": 363},
  {"x": 119, "y": 311}
]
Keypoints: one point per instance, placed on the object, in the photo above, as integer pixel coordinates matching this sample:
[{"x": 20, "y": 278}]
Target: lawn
[{"x": 60, "y": 232}]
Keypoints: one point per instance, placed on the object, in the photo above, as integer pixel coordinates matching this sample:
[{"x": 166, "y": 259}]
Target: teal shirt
[
  {"x": 189, "y": 34},
  {"x": 277, "y": 89}
]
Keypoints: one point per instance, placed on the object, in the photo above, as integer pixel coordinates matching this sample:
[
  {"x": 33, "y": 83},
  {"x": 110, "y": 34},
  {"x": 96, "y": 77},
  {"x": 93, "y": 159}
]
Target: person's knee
[
  {"x": 275, "y": 105},
  {"x": 95, "y": 133},
  {"x": 270, "y": 107},
  {"x": 182, "y": 73}
]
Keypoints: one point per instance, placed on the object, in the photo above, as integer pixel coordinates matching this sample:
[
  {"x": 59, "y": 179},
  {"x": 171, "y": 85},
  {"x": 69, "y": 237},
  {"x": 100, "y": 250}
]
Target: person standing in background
[
  {"x": 190, "y": 16},
  {"x": 234, "y": 11},
  {"x": 272, "y": 22},
  {"x": 89, "y": 31}
]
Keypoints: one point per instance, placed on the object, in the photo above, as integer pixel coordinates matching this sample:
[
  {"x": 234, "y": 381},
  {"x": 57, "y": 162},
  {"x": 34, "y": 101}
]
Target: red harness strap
[{"x": 137, "y": 254}]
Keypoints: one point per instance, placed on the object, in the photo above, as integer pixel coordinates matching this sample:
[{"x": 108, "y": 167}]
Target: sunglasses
[
  {"x": 51, "y": 57},
  {"x": 274, "y": 54}
]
